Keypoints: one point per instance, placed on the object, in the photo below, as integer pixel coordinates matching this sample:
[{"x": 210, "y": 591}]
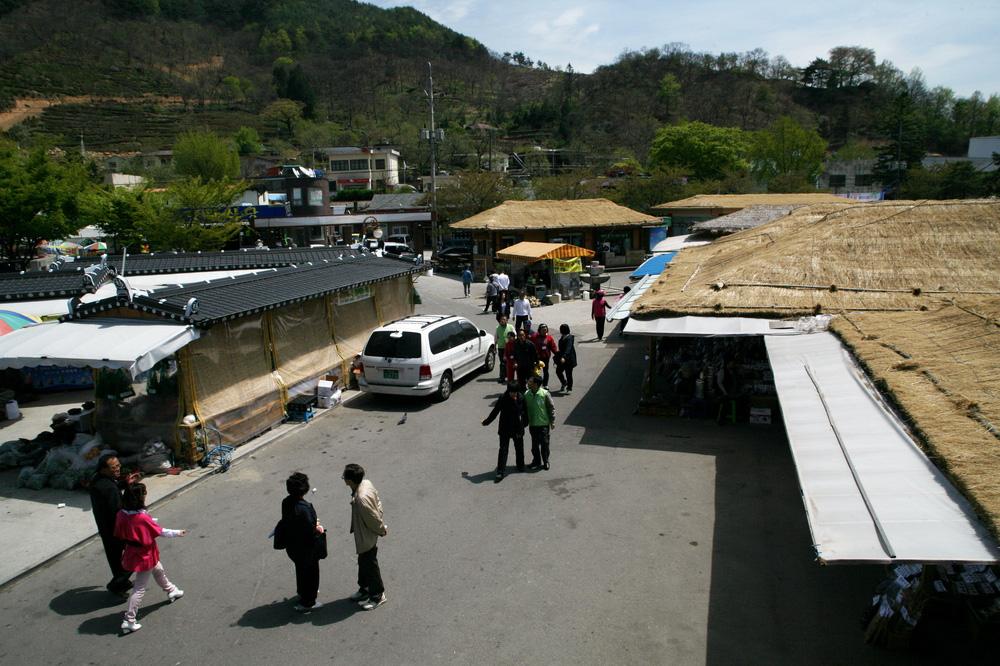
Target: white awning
[
  {"x": 129, "y": 344},
  {"x": 624, "y": 304},
  {"x": 870, "y": 493},
  {"x": 709, "y": 326}
]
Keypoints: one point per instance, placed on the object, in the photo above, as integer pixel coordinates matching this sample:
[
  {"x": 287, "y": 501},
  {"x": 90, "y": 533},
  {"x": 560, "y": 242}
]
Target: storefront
[{"x": 540, "y": 269}]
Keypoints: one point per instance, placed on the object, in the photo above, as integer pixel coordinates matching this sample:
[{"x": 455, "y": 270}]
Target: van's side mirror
[{"x": 482, "y": 332}]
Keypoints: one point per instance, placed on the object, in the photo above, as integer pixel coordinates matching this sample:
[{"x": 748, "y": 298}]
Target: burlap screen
[
  {"x": 230, "y": 374},
  {"x": 352, "y": 324},
  {"x": 303, "y": 344},
  {"x": 394, "y": 298}
]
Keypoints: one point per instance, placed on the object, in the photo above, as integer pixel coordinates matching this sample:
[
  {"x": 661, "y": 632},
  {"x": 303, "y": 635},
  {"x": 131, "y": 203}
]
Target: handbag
[
  {"x": 280, "y": 538},
  {"x": 319, "y": 547}
]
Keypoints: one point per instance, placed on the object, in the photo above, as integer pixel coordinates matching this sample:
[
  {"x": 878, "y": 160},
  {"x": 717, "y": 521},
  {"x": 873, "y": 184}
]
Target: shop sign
[{"x": 354, "y": 295}]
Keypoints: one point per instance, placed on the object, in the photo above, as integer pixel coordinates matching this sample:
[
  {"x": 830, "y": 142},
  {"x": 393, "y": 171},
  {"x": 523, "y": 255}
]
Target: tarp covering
[
  {"x": 394, "y": 299},
  {"x": 858, "y": 468},
  {"x": 352, "y": 322},
  {"x": 654, "y": 265},
  {"x": 302, "y": 341},
  {"x": 230, "y": 380},
  {"x": 622, "y": 307},
  {"x": 529, "y": 251},
  {"x": 132, "y": 345},
  {"x": 705, "y": 326}
]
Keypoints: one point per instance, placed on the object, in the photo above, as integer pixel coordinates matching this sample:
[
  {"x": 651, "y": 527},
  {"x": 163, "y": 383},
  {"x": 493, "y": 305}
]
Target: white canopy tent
[
  {"x": 870, "y": 493},
  {"x": 129, "y": 344}
]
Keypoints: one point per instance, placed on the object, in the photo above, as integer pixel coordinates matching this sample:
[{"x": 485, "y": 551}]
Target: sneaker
[
  {"x": 307, "y": 609},
  {"x": 129, "y": 627},
  {"x": 359, "y": 595},
  {"x": 372, "y": 604},
  {"x": 175, "y": 595},
  {"x": 562, "y": 387}
]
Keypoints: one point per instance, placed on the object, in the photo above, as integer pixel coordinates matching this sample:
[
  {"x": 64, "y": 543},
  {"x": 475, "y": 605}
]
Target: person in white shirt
[
  {"x": 503, "y": 281},
  {"x": 522, "y": 313}
]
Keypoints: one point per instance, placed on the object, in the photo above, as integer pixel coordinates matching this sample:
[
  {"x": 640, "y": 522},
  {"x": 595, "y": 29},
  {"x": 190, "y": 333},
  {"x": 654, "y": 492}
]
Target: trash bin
[{"x": 13, "y": 413}]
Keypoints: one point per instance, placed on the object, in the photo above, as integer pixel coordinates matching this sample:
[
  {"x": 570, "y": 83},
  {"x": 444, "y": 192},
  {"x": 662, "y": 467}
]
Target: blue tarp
[{"x": 654, "y": 265}]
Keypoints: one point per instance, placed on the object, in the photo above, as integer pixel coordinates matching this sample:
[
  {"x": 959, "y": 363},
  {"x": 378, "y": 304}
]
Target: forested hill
[{"x": 132, "y": 74}]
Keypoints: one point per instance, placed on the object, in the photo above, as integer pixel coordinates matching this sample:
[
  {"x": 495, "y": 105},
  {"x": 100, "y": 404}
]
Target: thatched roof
[
  {"x": 916, "y": 286},
  {"x": 745, "y": 218},
  {"x": 737, "y": 201},
  {"x": 561, "y": 214}
]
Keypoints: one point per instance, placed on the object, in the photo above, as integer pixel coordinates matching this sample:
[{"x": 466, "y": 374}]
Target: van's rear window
[{"x": 388, "y": 344}]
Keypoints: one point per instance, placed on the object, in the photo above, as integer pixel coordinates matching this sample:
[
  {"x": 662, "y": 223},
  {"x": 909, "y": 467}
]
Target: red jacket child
[{"x": 139, "y": 531}]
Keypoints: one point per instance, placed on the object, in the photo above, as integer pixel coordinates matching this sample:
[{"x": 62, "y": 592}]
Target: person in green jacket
[
  {"x": 541, "y": 419},
  {"x": 500, "y": 336}
]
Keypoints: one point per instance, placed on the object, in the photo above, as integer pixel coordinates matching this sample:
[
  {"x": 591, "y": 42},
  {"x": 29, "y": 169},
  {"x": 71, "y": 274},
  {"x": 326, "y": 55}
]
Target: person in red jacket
[
  {"x": 508, "y": 355},
  {"x": 598, "y": 310},
  {"x": 545, "y": 344},
  {"x": 139, "y": 531}
]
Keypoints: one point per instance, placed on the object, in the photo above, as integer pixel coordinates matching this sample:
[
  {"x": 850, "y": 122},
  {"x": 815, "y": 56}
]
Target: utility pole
[{"x": 433, "y": 135}]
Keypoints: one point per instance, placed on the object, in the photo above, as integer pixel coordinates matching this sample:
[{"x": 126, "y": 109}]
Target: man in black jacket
[
  {"x": 525, "y": 358},
  {"x": 106, "y": 500},
  {"x": 513, "y": 418}
]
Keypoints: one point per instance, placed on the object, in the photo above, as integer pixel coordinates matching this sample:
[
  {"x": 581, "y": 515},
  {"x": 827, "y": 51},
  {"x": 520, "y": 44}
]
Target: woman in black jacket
[
  {"x": 513, "y": 418},
  {"x": 565, "y": 358},
  {"x": 300, "y": 528}
]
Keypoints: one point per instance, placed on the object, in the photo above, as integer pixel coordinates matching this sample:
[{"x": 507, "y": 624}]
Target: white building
[{"x": 363, "y": 168}]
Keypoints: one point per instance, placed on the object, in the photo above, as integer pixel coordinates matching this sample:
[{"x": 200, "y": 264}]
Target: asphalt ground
[{"x": 651, "y": 540}]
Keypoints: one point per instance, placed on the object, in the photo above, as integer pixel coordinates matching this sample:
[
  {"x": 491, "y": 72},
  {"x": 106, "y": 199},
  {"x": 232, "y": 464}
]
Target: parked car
[
  {"x": 400, "y": 238},
  {"x": 399, "y": 250},
  {"x": 452, "y": 259},
  {"x": 424, "y": 354}
]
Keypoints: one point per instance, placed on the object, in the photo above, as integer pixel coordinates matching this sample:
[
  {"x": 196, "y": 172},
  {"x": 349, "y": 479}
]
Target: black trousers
[
  {"x": 545, "y": 373},
  {"x": 489, "y": 302},
  {"x": 539, "y": 444},
  {"x": 369, "y": 575},
  {"x": 505, "y": 447},
  {"x": 113, "y": 551},
  {"x": 600, "y": 327},
  {"x": 501, "y": 362},
  {"x": 565, "y": 375},
  {"x": 519, "y": 321},
  {"x": 306, "y": 577}
]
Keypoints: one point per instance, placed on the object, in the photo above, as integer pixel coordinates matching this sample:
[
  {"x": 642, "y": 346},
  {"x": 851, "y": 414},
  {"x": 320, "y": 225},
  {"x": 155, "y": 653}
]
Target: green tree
[
  {"x": 192, "y": 215},
  {"x": 276, "y": 42},
  {"x": 788, "y": 150},
  {"x": 40, "y": 195},
  {"x": 904, "y": 147},
  {"x": 285, "y": 114},
  {"x": 247, "y": 142},
  {"x": 207, "y": 156},
  {"x": 669, "y": 95},
  {"x": 474, "y": 192},
  {"x": 705, "y": 151},
  {"x": 571, "y": 185},
  {"x": 119, "y": 212}
]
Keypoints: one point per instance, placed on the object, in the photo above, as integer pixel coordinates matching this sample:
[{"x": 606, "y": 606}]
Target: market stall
[{"x": 534, "y": 266}]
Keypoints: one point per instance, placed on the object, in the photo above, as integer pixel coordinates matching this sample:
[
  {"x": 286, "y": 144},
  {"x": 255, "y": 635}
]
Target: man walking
[
  {"x": 466, "y": 281},
  {"x": 541, "y": 419},
  {"x": 500, "y": 335},
  {"x": 367, "y": 526},
  {"x": 106, "y": 500},
  {"x": 491, "y": 293},
  {"x": 510, "y": 409},
  {"x": 522, "y": 313}
]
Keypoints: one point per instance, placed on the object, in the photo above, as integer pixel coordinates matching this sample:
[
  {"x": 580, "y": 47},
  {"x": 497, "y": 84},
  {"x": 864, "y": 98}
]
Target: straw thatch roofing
[
  {"x": 745, "y": 218},
  {"x": 562, "y": 214},
  {"x": 538, "y": 251},
  {"x": 917, "y": 288},
  {"x": 737, "y": 201}
]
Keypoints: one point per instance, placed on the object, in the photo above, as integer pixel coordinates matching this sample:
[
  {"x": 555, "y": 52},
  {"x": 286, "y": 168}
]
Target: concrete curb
[{"x": 242, "y": 452}]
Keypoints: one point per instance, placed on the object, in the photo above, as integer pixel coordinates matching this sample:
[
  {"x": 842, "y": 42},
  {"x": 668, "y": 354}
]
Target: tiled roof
[
  {"x": 37, "y": 285},
  {"x": 189, "y": 262},
  {"x": 229, "y": 298}
]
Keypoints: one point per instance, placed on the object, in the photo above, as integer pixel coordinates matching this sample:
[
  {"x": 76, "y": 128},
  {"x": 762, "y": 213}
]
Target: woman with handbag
[{"x": 303, "y": 538}]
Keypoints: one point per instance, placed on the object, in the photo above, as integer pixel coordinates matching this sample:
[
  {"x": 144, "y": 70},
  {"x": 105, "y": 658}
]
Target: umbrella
[
  {"x": 96, "y": 247},
  {"x": 11, "y": 321}
]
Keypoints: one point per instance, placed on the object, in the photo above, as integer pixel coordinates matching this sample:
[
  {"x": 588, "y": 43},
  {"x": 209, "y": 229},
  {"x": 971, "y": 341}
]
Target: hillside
[{"x": 132, "y": 74}]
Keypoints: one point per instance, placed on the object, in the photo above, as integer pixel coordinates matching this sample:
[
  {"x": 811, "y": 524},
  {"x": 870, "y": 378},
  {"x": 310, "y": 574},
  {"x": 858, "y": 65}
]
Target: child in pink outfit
[{"x": 139, "y": 531}]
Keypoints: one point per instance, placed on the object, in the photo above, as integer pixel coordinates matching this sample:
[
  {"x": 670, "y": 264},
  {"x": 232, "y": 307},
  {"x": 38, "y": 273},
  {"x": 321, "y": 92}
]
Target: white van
[{"x": 424, "y": 354}]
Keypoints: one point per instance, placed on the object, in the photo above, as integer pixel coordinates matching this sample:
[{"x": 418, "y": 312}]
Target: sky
[{"x": 954, "y": 43}]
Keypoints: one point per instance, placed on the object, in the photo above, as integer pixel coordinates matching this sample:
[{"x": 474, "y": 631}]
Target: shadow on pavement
[
  {"x": 482, "y": 477},
  {"x": 279, "y": 613},
  {"x": 84, "y": 600},
  {"x": 110, "y": 625},
  {"x": 769, "y": 600}
]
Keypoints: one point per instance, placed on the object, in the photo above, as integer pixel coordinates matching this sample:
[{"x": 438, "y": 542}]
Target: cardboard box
[
  {"x": 324, "y": 401},
  {"x": 325, "y": 388}
]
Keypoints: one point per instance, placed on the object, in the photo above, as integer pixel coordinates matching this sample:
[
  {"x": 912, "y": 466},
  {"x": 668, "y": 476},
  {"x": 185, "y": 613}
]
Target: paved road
[{"x": 649, "y": 541}]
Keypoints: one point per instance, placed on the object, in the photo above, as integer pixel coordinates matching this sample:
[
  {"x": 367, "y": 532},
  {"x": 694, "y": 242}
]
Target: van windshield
[{"x": 393, "y": 344}]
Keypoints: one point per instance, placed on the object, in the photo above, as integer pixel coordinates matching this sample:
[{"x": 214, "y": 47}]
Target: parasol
[{"x": 11, "y": 321}]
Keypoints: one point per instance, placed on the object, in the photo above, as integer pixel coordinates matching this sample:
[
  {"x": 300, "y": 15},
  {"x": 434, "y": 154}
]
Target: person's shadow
[
  {"x": 479, "y": 478},
  {"x": 279, "y": 613},
  {"x": 84, "y": 600},
  {"x": 110, "y": 625}
]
